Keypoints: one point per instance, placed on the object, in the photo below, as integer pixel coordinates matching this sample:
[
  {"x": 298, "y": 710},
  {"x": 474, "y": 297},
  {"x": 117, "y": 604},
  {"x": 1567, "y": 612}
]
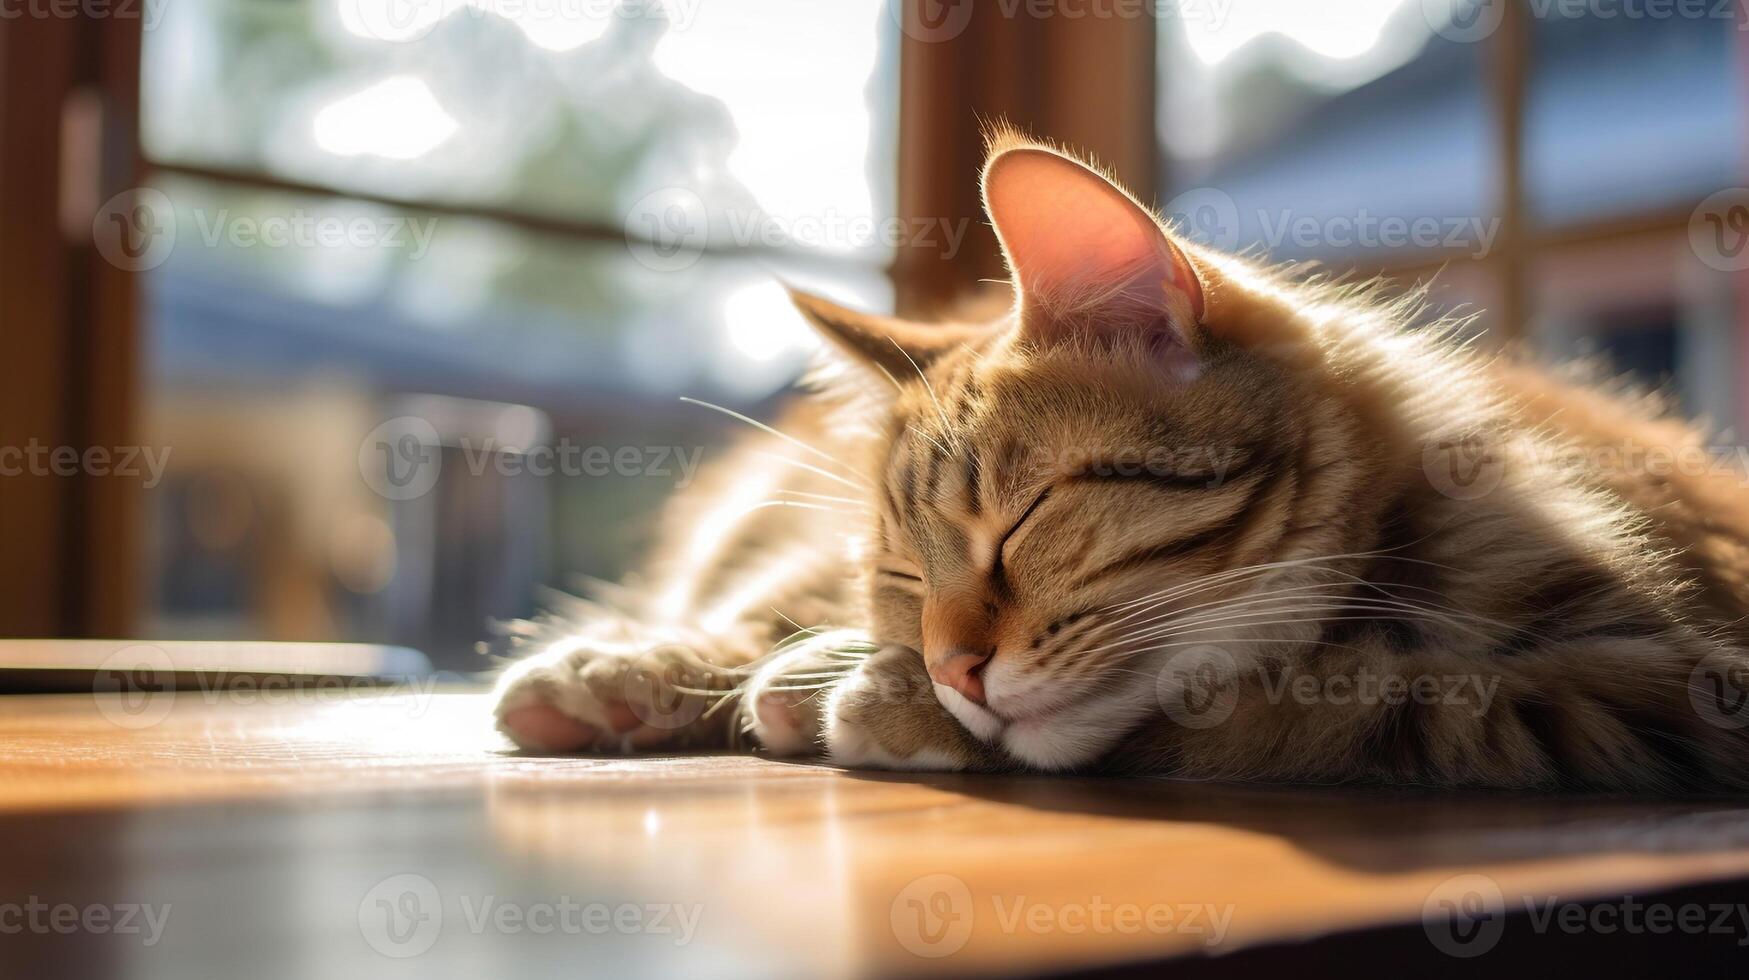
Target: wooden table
[{"x": 392, "y": 833}]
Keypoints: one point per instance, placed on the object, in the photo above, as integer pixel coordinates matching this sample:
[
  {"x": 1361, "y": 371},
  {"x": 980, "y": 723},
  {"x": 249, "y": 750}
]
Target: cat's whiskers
[
  {"x": 804, "y": 505},
  {"x": 786, "y": 437},
  {"x": 1445, "y": 615},
  {"x": 821, "y": 496},
  {"x": 1243, "y": 613},
  {"x": 1155, "y": 601},
  {"x": 940, "y": 413},
  {"x": 1264, "y": 620},
  {"x": 1449, "y": 614},
  {"x": 1454, "y": 618},
  {"x": 908, "y": 427},
  {"x": 817, "y": 471},
  {"x": 1310, "y": 560}
]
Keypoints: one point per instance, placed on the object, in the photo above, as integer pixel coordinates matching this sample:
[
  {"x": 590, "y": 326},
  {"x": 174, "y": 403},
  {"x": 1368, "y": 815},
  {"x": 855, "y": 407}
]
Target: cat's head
[{"x": 1141, "y": 421}]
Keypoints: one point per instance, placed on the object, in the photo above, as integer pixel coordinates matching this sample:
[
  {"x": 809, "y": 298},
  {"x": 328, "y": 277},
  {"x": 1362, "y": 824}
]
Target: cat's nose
[{"x": 961, "y": 670}]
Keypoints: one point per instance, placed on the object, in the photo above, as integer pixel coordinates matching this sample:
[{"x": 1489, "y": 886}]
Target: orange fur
[{"x": 1178, "y": 544}]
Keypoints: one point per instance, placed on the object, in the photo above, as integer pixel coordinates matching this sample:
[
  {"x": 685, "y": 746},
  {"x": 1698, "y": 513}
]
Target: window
[
  {"x": 498, "y": 241},
  {"x": 1550, "y": 165}
]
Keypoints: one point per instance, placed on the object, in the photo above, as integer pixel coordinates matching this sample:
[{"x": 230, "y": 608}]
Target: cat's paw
[
  {"x": 594, "y": 692},
  {"x": 783, "y": 706},
  {"x": 885, "y": 716}
]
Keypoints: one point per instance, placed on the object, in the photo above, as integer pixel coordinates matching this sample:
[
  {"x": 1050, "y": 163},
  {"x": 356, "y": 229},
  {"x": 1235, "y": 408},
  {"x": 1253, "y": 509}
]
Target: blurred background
[{"x": 382, "y": 311}]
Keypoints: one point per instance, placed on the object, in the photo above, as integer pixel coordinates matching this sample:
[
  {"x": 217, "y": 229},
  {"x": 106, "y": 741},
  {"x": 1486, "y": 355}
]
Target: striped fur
[{"x": 1199, "y": 571}]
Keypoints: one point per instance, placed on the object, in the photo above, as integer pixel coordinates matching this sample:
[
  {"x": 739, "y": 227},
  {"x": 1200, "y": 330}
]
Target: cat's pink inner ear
[{"x": 1080, "y": 249}]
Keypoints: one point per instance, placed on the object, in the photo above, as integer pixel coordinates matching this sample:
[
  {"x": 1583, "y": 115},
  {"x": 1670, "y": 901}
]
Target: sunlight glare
[
  {"x": 803, "y": 148},
  {"x": 398, "y": 119},
  {"x": 552, "y": 26},
  {"x": 1337, "y": 29},
  {"x": 763, "y": 324}
]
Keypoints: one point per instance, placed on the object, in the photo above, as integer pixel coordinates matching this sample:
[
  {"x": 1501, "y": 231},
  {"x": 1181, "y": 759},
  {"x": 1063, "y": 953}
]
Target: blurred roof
[{"x": 1624, "y": 117}]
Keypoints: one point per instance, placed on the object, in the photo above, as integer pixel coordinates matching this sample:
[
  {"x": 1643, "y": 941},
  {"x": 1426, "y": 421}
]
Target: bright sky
[
  {"x": 397, "y": 118},
  {"x": 1339, "y": 29},
  {"x": 791, "y": 72}
]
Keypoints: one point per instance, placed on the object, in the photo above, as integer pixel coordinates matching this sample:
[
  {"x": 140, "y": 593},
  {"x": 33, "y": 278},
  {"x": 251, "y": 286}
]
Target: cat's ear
[
  {"x": 1083, "y": 254},
  {"x": 901, "y": 347}
]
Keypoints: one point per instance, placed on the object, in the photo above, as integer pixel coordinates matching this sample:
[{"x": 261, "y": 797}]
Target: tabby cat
[{"x": 1178, "y": 514}]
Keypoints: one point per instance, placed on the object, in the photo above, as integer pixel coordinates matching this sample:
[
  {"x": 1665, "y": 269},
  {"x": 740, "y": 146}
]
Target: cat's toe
[
  {"x": 783, "y": 725},
  {"x": 584, "y": 696},
  {"x": 785, "y": 701},
  {"x": 544, "y": 728},
  {"x": 879, "y": 718}
]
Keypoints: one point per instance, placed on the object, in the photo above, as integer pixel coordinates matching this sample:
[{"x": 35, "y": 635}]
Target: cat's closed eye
[{"x": 1002, "y": 544}]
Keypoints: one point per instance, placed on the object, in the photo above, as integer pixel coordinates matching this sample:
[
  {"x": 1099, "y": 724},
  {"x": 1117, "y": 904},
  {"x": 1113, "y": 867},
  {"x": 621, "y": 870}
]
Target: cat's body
[{"x": 1176, "y": 515}]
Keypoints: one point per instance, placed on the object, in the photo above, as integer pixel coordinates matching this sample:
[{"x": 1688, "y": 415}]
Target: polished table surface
[{"x": 320, "y": 833}]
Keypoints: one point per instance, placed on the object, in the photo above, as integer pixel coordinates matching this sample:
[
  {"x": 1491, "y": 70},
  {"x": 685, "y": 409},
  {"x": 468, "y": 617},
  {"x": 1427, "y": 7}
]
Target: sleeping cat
[{"x": 1176, "y": 514}]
